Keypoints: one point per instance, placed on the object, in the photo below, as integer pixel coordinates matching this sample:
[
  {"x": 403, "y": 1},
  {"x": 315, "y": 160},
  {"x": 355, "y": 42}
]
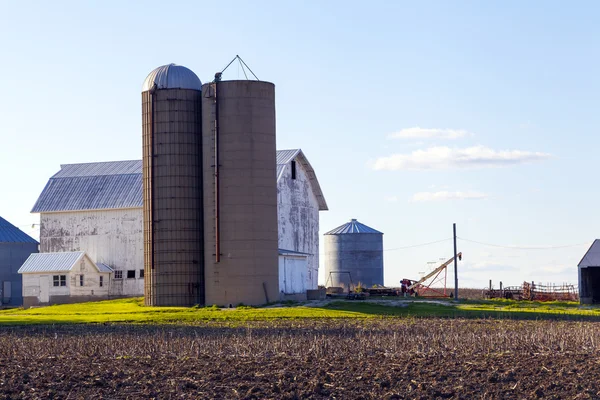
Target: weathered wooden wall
[
  {"x": 298, "y": 219},
  {"x": 112, "y": 237}
]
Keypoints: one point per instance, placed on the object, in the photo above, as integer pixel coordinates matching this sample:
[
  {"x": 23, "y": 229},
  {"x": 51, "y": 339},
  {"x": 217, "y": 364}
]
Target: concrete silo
[
  {"x": 240, "y": 194},
  {"x": 172, "y": 186},
  {"x": 353, "y": 254}
]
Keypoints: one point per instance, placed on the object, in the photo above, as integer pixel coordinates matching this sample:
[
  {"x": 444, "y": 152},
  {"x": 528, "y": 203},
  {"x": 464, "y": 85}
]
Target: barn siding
[
  {"x": 112, "y": 237},
  {"x": 12, "y": 256},
  {"x": 298, "y": 219}
]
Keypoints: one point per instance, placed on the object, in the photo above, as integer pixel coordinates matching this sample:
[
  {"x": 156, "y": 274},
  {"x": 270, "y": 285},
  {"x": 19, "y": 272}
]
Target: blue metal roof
[
  {"x": 352, "y": 227},
  {"x": 11, "y": 234},
  {"x": 93, "y": 186}
]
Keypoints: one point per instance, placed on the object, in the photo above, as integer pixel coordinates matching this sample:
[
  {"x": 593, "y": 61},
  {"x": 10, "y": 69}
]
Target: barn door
[
  {"x": 44, "y": 288},
  {"x": 6, "y": 291}
]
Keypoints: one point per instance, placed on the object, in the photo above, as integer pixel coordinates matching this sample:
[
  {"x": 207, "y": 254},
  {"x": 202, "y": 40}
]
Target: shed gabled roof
[
  {"x": 352, "y": 227},
  {"x": 284, "y": 157},
  {"x": 56, "y": 262},
  {"x": 11, "y": 234},
  {"x": 592, "y": 256},
  {"x": 93, "y": 186}
]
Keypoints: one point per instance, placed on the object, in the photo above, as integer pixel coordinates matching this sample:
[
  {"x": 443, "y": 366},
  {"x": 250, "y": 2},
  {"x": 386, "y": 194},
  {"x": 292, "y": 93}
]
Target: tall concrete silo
[
  {"x": 353, "y": 254},
  {"x": 172, "y": 186},
  {"x": 240, "y": 193}
]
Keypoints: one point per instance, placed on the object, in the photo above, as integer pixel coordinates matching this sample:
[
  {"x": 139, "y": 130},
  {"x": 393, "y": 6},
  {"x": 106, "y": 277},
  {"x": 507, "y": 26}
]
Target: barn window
[
  {"x": 59, "y": 280},
  {"x": 80, "y": 280},
  {"x": 141, "y": 273},
  {"x": 101, "y": 281},
  {"x": 131, "y": 274},
  {"x": 293, "y": 169},
  {"x": 118, "y": 274}
]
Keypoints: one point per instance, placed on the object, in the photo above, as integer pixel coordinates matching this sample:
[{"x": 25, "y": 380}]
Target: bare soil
[{"x": 386, "y": 359}]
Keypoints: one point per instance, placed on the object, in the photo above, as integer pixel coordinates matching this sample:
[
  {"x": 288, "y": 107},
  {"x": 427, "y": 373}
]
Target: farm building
[
  {"x": 293, "y": 270},
  {"x": 97, "y": 208},
  {"x": 353, "y": 255},
  {"x": 299, "y": 200},
  {"x": 69, "y": 277},
  {"x": 15, "y": 247},
  {"x": 589, "y": 275}
]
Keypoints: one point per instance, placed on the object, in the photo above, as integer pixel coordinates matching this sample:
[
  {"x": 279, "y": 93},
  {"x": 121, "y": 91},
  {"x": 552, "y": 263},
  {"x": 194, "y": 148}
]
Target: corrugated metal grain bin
[
  {"x": 353, "y": 255},
  {"x": 240, "y": 194},
  {"x": 172, "y": 185}
]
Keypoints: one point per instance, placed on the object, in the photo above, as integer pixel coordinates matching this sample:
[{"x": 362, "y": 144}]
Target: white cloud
[
  {"x": 444, "y": 195},
  {"x": 391, "y": 199},
  {"x": 428, "y": 133},
  {"x": 442, "y": 157}
]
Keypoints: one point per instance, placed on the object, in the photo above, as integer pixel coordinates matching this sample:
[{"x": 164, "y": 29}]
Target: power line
[
  {"x": 418, "y": 245},
  {"x": 524, "y": 247}
]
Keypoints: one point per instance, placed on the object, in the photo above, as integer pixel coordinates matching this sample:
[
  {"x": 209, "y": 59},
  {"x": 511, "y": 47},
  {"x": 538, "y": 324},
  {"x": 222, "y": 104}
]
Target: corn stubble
[{"x": 382, "y": 358}]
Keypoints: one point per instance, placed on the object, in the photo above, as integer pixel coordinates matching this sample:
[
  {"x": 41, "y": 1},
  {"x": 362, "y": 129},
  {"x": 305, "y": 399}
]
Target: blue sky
[{"x": 415, "y": 115}]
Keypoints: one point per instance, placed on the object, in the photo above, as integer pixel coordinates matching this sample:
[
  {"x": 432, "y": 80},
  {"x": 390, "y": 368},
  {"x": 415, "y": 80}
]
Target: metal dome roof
[
  {"x": 172, "y": 76},
  {"x": 352, "y": 227}
]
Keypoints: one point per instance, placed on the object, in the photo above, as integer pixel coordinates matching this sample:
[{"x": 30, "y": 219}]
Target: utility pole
[{"x": 455, "y": 265}]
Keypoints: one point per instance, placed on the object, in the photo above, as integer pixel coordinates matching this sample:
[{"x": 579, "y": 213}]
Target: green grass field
[{"x": 133, "y": 311}]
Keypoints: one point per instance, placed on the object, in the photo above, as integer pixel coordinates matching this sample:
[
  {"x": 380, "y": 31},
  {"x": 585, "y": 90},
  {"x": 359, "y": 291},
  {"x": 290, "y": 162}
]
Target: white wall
[
  {"x": 292, "y": 274},
  {"x": 91, "y": 282},
  {"x": 298, "y": 219},
  {"x": 112, "y": 237}
]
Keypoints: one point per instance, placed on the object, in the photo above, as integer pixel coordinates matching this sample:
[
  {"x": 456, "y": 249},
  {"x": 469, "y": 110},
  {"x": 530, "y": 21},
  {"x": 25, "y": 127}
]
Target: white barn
[
  {"x": 96, "y": 208},
  {"x": 69, "y": 277}
]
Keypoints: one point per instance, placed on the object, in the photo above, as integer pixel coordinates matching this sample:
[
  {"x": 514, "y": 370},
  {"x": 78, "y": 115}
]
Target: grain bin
[
  {"x": 172, "y": 187},
  {"x": 240, "y": 193},
  {"x": 353, "y": 254}
]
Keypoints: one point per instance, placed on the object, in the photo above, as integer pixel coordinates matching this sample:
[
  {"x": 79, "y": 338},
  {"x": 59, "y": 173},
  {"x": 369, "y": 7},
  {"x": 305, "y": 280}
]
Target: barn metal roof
[
  {"x": 284, "y": 157},
  {"x": 592, "y": 256},
  {"x": 172, "y": 76},
  {"x": 99, "y": 169},
  {"x": 93, "y": 186},
  {"x": 118, "y": 184},
  {"x": 11, "y": 234},
  {"x": 103, "y": 267},
  {"x": 352, "y": 227},
  {"x": 56, "y": 262}
]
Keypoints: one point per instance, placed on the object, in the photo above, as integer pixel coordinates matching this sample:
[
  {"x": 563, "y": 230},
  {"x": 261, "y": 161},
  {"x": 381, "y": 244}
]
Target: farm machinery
[
  {"x": 431, "y": 285},
  {"x": 533, "y": 291}
]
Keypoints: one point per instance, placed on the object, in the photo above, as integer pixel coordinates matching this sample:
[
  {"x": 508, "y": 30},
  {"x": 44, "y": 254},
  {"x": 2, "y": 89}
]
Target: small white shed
[
  {"x": 293, "y": 270},
  {"x": 58, "y": 278}
]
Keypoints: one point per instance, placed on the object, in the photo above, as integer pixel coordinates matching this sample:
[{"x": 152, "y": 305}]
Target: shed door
[
  {"x": 6, "y": 291},
  {"x": 44, "y": 288}
]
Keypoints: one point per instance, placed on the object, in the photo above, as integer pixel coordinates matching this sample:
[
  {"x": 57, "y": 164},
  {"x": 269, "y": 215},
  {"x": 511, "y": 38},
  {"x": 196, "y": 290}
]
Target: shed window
[
  {"x": 293, "y": 169},
  {"x": 101, "y": 281},
  {"x": 131, "y": 274},
  {"x": 59, "y": 280},
  {"x": 118, "y": 274},
  {"x": 141, "y": 273},
  {"x": 80, "y": 280}
]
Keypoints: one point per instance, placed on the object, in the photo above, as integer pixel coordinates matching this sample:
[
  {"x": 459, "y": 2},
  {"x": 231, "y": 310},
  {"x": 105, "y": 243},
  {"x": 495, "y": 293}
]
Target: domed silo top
[
  {"x": 172, "y": 76},
  {"x": 352, "y": 227}
]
